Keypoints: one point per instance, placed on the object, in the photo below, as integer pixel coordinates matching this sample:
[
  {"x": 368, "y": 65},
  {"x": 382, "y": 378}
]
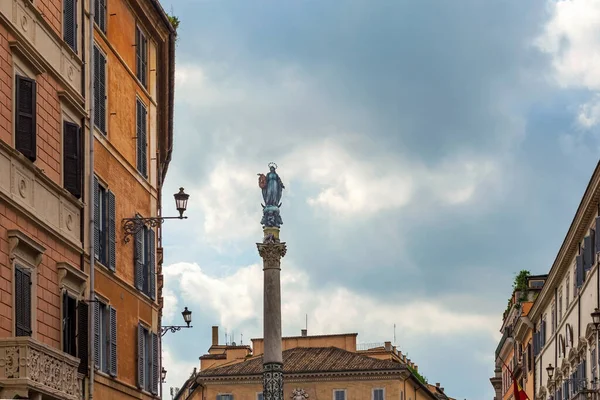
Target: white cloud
[
  {"x": 178, "y": 372},
  {"x": 237, "y": 299},
  {"x": 572, "y": 38},
  {"x": 589, "y": 113}
]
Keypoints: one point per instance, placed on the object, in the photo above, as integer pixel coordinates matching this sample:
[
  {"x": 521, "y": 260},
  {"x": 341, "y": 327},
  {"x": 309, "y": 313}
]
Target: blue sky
[{"x": 430, "y": 150}]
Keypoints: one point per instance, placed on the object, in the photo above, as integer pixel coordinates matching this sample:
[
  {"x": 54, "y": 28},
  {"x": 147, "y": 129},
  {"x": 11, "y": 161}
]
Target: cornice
[{"x": 565, "y": 254}]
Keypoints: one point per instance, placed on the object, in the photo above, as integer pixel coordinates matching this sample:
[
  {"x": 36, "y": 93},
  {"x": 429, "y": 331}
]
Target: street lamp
[
  {"x": 187, "y": 317},
  {"x": 131, "y": 226},
  {"x": 596, "y": 318},
  {"x": 550, "y": 371},
  {"x": 163, "y": 375}
]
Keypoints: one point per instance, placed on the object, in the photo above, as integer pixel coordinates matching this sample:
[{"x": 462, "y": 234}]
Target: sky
[{"x": 430, "y": 150}]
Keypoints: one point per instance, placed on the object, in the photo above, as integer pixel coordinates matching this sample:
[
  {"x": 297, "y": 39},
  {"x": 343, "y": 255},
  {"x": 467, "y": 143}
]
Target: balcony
[{"x": 28, "y": 367}]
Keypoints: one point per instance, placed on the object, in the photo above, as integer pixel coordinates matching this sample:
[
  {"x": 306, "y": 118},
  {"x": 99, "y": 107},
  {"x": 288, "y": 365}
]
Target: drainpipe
[{"x": 91, "y": 313}]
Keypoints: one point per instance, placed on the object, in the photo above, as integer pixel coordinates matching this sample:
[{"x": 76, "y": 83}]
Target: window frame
[
  {"x": 101, "y": 52},
  {"x": 141, "y": 74},
  {"x": 104, "y": 11},
  {"x": 67, "y": 119},
  {"x": 335, "y": 391},
  {"x": 376, "y": 389},
  {"x": 142, "y": 166}
]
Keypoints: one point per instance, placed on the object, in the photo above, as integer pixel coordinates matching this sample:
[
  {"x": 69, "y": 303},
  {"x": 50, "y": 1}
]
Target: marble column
[{"x": 272, "y": 250}]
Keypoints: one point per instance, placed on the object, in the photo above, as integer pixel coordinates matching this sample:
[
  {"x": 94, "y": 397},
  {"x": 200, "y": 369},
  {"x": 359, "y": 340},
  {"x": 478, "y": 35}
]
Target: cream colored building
[
  {"x": 564, "y": 336},
  {"x": 320, "y": 367}
]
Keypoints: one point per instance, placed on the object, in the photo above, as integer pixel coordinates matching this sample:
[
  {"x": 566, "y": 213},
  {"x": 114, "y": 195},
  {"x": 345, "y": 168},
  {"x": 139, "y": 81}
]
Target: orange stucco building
[
  {"x": 515, "y": 352},
  {"x": 64, "y": 80},
  {"x": 320, "y": 367}
]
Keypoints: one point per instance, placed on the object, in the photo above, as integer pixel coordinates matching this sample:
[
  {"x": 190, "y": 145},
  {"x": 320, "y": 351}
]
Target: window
[
  {"x": 226, "y": 396},
  {"x": 147, "y": 360},
  {"x": 339, "y": 395},
  {"x": 529, "y": 357},
  {"x": 560, "y": 302},
  {"x": 69, "y": 325},
  {"x": 105, "y": 338},
  {"x": 574, "y": 282},
  {"x": 99, "y": 89},
  {"x": 141, "y": 56},
  {"x": 25, "y": 112},
  {"x": 594, "y": 365},
  {"x": 141, "y": 135},
  {"x": 145, "y": 260},
  {"x": 553, "y": 316},
  {"x": 72, "y": 161},
  {"x": 378, "y": 394},
  {"x": 100, "y": 14},
  {"x": 70, "y": 23},
  {"x": 567, "y": 289},
  {"x": 22, "y": 301},
  {"x": 105, "y": 226},
  {"x": 259, "y": 396}
]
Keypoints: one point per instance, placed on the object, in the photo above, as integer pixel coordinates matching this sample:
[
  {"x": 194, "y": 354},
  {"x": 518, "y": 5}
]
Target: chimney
[
  {"x": 304, "y": 333},
  {"x": 437, "y": 384},
  {"x": 215, "y": 335},
  {"x": 388, "y": 346}
]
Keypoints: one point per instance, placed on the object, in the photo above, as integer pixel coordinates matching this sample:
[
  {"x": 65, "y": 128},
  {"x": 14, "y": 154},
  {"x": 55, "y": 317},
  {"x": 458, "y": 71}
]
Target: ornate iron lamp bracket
[
  {"x": 165, "y": 329},
  {"x": 131, "y": 226}
]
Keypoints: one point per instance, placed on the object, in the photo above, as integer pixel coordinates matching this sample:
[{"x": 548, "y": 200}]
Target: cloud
[
  {"x": 589, "y": 113},
  {"x": 572, "y": 38},
  {"x": 237, "y": 299}
]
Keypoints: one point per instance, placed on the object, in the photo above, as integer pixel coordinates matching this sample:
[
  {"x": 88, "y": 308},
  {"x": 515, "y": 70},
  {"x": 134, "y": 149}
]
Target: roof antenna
[
  {"x": 306, "y": 322},
  {"x": 241, "y": 339}
]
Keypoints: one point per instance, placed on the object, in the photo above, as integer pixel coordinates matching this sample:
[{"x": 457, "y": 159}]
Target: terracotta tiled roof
[{"x": 309, "y": 359}]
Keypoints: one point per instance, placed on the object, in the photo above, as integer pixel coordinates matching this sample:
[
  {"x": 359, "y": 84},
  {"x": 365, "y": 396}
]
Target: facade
[
  {"x": 514, "y": 354},
  {"x": 315, "y": 367},
  {"x": 90, "y": 323},
  {"x": 564, "y": 336}
]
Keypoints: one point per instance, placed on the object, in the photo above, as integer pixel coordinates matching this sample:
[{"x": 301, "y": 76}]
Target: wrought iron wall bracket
[
  {"x": 165, "y": 329},
  {"x": 131, "y": 226}
]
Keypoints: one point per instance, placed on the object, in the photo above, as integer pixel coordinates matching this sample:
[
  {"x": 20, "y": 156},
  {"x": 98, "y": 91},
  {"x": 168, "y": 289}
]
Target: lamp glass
[
  {"x": 596, "y": 317},
  {"x": 550, "y": 371},
  {"x": 163, "y": 374},
  {"x": 187, "y": 316},
  {"x": 181, "y": 199}
]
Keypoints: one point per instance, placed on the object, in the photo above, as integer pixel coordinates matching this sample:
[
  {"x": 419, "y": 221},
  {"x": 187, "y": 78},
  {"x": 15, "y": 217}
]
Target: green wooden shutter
[
  {"x": 139, "y": 259},
  {"x": 82, "y": 336},
  {"x": 70, "y": 23},
  {"x": 97, "y": 328},
  {"x": 25, "y": 117},
  {"x": 151, "y": 263},
  {"x": 155, "y": 355},
  {"x": 112, "y": 236},
  {"x": 112, "y": 366},
  {"x": 140, "y": 357},
  {"x": 72, "y": 158}
]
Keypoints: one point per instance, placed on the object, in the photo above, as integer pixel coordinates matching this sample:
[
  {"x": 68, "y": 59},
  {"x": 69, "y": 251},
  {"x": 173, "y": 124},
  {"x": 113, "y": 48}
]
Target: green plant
[
  {"x": 520, "y": 285},
  {"x": 421, "y": 378},
  {"x": 174, "y": 21}
]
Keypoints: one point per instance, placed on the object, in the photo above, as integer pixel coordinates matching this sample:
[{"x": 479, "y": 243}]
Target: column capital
[{"x": 271, "y": 253}]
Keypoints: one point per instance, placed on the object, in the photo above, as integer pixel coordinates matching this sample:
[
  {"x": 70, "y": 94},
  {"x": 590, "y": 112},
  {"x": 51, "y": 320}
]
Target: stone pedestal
[{"x": 272, "y": 250}]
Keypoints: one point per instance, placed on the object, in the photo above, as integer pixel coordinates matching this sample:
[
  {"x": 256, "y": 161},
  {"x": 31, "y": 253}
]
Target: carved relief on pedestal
[
  {"x": 299, "y": 394},
  {"x": 273, "y": 381}
]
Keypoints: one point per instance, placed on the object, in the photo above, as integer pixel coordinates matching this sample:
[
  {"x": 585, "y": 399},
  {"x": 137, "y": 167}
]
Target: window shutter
[
  {"x": 113, "y": 342},
  {"x": 155, "y": 376},
  {"x": 112, "y": 227},
  {"x": 100, "y": 14},
  {"x": 82, "y": 337},
  {"x": 140, "y": 356},
  {"x": 25, "y": 112},
  {"x": 152, "y": 263},
  {"x": 22, "y": 302},
  {"x": 138, "y": 59},
  {"x": 72, "y": 158},
  {"x": 138, "y": 259},
  {"x": 142, "y": 138},
  {"x": 70, "y": 23},
  {"x": 592, "y": 247},
  {"x": 588, "y": 253},
  {"x": 96, "y": 218},
  {"x": 100, "y": 90},
  {"x": 144, "y": 61},
  {"x": 96, "y": 334},
  {"x": 579, "y": 269}
]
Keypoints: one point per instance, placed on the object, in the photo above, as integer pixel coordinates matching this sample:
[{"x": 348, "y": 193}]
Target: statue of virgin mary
[{"x": 272, "y": 186}]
